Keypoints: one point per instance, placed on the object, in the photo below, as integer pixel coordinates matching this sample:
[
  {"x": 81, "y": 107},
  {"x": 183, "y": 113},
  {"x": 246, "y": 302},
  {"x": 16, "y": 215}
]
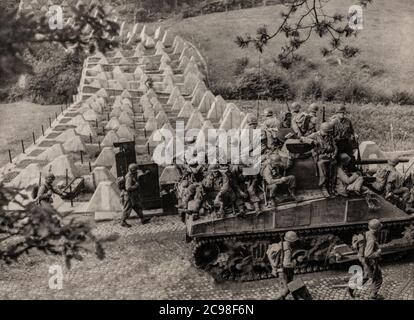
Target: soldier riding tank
[{"x": 234, "y": 247}]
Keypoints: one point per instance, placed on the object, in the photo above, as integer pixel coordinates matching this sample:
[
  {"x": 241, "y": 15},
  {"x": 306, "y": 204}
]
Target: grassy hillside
[
  {"x": 386, "y": 43},
  {"x": 17, "y": 121}
]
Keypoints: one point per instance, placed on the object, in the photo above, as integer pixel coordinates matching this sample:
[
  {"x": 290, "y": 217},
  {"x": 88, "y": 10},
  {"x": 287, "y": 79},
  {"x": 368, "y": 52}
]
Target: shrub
[
  {"x": 402, "y": 97},
  {"x": 313, "y": 89},
  {"x": 141, "y": 15},
  {"x": 241, "y": 65}
]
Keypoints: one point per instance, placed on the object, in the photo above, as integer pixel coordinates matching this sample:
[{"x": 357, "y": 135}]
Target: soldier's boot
[
  {"x": 125, "y": 224},
  {"x": 325, "y": 192}
]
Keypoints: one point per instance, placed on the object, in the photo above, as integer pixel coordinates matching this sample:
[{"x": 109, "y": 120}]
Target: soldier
[
  {"x": 346, "y": 182},
  {"x": 306, "y": 122},
  {"x": 296, "y": 107},
  {"x": 271, "y": 128},
  {"x": 389, "y": 182},
  {"x": 282, "y": 262},
  {"x": 45, "y": 193},
  {"x": 133, "y": 198},
  {"x": 286, "y": 120},
  {"x": 245, "y": 186},
  {"x": 325, "y": 152},
  {"x": 192, "y": 176},
  {"x": 273, "y": 175},
  {"x": 343, "y": 132},
  {"x": 372, "y": 254}
]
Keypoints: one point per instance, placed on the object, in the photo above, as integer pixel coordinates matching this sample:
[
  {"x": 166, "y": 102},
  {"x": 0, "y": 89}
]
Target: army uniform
[
  {"x": 270, "y": 126},
  {"x": 218, "y": 190},
  {"x": 273, "y": 175},
  {"x": 344, "y": 134},
  {"x": 345, "y": 182},
  {"x": 245, "y": 186},
  {"x": 295, "y": 114},
  {"x": 372, "y": 254},
  {"x": 190, "y": 183},
  {"x": 325, "y": 152},
  {"x": 132, "y": 197},
  {"x": 46, "y": 190}
]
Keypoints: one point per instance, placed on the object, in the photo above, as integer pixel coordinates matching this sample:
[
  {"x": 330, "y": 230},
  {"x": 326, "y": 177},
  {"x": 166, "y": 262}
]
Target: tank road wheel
[{"x": 205, "y": 253}]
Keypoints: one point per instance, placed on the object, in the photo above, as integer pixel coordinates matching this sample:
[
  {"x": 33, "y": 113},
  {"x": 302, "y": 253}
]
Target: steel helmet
[
  {"x": 291, "y": 236},
  {"x": 296, "y": 106},
  {"x": 342, "y": 109},
  {"x": 374, "y": 224},
  {"x": 313, "y": 107},
  {"x": 344, "y": 158},
  {"x": 251, "y": 120},
  {"x": 268, "y": 112},
  {"x": 326, "y": 127},
  {"x": 133, "y": 167},
  {"x": 50, "y": 176},
  {"x": 394, "y": 161}
]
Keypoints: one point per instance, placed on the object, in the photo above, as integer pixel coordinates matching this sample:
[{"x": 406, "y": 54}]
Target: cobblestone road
[{"x": 153, "y": 262}]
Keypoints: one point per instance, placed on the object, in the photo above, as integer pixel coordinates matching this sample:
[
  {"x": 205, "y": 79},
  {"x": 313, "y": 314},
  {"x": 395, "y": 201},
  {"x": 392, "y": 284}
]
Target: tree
[
  {"x": 34, "y": 226},
  {"x": 302, "y": 19},
  {"x": 90, "y": 29}
]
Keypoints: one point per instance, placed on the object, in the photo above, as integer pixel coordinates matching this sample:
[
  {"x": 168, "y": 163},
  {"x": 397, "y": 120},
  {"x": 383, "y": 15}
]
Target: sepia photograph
[{"x": 207, "y": 155}]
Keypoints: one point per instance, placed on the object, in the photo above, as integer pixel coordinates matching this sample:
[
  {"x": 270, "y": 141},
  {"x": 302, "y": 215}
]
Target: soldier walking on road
[
  {"x": 372, "y": 255},
  {"x": 132, "y": 198}
]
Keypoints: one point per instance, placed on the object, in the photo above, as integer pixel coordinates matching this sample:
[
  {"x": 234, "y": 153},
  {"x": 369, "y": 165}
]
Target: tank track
[{"x": 219, "y": 273}]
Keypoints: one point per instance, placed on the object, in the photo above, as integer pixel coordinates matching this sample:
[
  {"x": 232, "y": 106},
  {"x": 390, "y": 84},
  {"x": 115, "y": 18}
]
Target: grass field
[
  {"x": 18, "y": 121},
  {"x": 386, "y": 42}
]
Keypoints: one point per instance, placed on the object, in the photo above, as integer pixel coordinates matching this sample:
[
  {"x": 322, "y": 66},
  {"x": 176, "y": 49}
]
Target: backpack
[
  {"x": 358, "y": 243},
  {"x": 275, "y": 255},
  {"x": 303, "y": 121}
]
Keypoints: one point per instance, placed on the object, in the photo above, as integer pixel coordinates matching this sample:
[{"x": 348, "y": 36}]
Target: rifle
[{"x": 287, "y": 106}]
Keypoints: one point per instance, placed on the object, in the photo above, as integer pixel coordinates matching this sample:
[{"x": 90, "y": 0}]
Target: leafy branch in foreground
[
  {"x": 90, "y": 29},
  {"x": 302, "y": 19},
  {"x": 44, "y": 229}
]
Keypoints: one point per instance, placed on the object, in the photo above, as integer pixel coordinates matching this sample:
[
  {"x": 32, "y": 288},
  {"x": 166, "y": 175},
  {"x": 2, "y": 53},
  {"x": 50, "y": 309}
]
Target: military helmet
[
  {"x": 342, "y": 109},
  {"x": 50, "y": 176},
  {"x": 326, "y": 127},
  {"x": 394, "y": 161},
  {"x": 275, "y": 158},
  {"x": 374, "y": 224},
  {"x": 313, "y": 107},
  {"x": 268, "y": 112},
  {"x": 344, "y": 158},
  {"x": 214, "y": 167},
  {"x": 291, "y": 236},
  {"x": 296, "y": 106},
  {"x": 251, "y": 120},
  {"x": 133, "y": 167}
]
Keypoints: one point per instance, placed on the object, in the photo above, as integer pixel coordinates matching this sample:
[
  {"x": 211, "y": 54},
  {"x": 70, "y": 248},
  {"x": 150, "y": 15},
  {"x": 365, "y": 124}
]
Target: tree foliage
[
  {"x": 302, "y": 19},
  {"x": 45, "y": 229},
  {"x": 90, "y": 29}
]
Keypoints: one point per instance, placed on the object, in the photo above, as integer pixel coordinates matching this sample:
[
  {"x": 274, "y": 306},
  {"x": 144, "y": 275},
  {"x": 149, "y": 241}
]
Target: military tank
[{"x": 234, "y": 247}]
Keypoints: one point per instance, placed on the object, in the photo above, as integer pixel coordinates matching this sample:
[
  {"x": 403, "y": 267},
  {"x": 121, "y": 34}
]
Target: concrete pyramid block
[
  {"x": 125, "y": 108},
  {"x": 139, "y": 50},
  {"x": 149, "y": 43},
  {"x": 86, "y": 130},
  {"x": 124, "y": 118},
  {"x": 90, "y": 115},
  {"x": 169, "y": 175},
  {"x": 167, "y": 126},
  {"x": 206, "y": 102},
  {"x": 167, "y": 39},
  {"x": 77, "y": 121},
  {"x": 159, "y": 33},
  {"x": 97, "y": 107},
  {"x": 113, "y": 124},
  {"x": 148, "y": 112},
  {"x": 183, "y": 63},
  {"x": 115, "y": 85},
  {"x": 151, "y": 124},
  {"x": 116, "y": 112},
  {"x": 186, "y": 111},
  {"x": 126, "y": 101},
  {"x": 124, "y": 61},
  {"x": 246, "y": 118},
  {"x": 216, "y": 111},
  {"x": 190, "y": 83},
  {"x": 158, "y": 107},
  {"x": 109, "y": 139},
  {"x": 178, "y": 104},
  {"x": 195, "y": 121},
  {"x": 143, "y": 35},
  {"x": 165, "y": 58},
  {"x": 231, "y": 120},
  {"x": 102, "y": 93},
  {"x": 74, "y": 145},
  {"x": 101, "y": 174},
  {"x": 203, "y": 135},
  {"x": 52, "y": 153},
  {"x": 168, "y": 71},
  {"x": 118, "y": 54},
  {"x": 106, "y": 158},
  {"x": 62, "y": 165},
  {"x": 126, "y": 94},
  {"x": 66, "y": 135},
  {"x": 27, "y": 178},
  {"x": 155, "y": 139},
  {"x": 125, "y": 133},
  {"x": 106, "y": 198},
  {"x": 161, "y": 118}
]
